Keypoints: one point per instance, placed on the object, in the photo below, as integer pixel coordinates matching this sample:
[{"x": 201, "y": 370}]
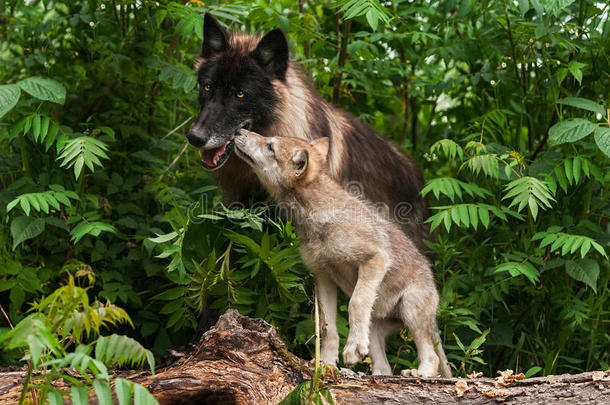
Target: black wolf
[{"x": 250, "y": 82}]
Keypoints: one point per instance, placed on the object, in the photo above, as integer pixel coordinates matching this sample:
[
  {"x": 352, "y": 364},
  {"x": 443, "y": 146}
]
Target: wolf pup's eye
[
  {"x": 240, "y": 94},
  {"x": 270, "y": 147},
  {"x": 207, "y": 87}
]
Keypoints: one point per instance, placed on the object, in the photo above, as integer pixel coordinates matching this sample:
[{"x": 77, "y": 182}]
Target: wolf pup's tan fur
[{"x": 346, "y": 244}]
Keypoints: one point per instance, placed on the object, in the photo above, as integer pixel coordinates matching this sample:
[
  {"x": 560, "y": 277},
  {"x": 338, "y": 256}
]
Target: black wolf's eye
[
  {"x": 207, "y": 87},
  {"x": 270, "y": 147},
  {"x": 240, "y": 94}
]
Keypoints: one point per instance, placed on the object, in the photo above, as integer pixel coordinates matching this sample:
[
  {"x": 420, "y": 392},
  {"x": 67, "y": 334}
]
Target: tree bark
[{"x": 243, "y": 361}]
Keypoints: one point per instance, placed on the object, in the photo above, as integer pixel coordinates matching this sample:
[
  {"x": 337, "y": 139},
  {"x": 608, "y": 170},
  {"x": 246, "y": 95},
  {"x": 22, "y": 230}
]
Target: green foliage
[
  {"x": 41, "y": 202},
  {"x": 303, "y": 395},
  {"x": 568, "y": 244},
  {"x": 499, "y": 102},
  {"x": 531, "y": 192},
  {"x": 54, "y": 338},
  {"x": 120, "y": 350},
  {"x": 371, "y": 9},
  {"x": 84, "y": 150},
  {"x": 452, "y": 188},
  {"x": 24, "y": 228},
  {"x": 470, "y": 356}
]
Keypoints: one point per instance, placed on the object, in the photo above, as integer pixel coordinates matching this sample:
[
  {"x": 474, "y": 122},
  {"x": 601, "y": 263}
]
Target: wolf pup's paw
[{"x": 354, "y": 352}]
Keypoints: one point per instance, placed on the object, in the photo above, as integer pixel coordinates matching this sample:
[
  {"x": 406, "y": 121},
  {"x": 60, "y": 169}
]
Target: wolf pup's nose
[{"x": 245, "y": 125}]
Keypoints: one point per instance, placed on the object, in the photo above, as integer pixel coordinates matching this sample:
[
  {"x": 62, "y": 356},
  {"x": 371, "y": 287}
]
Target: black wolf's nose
[{"x": 195, "y": 139}]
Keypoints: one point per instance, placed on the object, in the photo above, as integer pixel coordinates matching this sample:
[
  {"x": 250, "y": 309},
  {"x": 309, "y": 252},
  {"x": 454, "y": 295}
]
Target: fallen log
[{"x": 243, "y": 361}]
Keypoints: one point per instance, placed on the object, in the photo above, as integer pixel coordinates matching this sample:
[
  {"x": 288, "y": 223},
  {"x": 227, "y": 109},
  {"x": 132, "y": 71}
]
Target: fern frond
[
  {"x": 83, "y": 151},
  {"x": 468, "y": 215},
  {"x": 569, "y": 172},
  {"x": 43, "y": 200},
  {"x": 568, "y": 243},
  {"x": 120, "y": 350},
  {"x": 452, "y": 187},
  {"x": 372, "y": 9},
  {"x": 529, "y": 191},
  {"x": 448, "y": 147},
  {"x": 486, "y": 163}
]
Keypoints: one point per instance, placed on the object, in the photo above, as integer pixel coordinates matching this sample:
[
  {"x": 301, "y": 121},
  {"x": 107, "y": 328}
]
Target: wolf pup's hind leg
[
  {"x": 418, "y": 311},
  {"x": 444, "y": 363}
]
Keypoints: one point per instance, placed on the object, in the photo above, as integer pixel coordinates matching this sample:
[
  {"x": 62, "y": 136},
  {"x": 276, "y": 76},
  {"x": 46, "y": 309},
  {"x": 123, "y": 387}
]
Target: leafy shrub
[{"x": 54, "y": 337}]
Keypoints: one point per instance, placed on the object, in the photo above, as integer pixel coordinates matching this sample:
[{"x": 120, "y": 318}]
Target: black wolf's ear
[
  {"x": 299, "y": 161},
  {"x": 271, "y": 53},
  {"x": 215, "y": 38},
  {"x": 321, "y": 145}
]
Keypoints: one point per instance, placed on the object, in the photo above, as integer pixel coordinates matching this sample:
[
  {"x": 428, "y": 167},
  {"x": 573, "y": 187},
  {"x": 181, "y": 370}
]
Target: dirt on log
[{"x": 243, "y": 361}]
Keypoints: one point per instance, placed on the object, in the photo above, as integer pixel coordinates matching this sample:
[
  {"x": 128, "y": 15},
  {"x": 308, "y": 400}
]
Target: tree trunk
[{"x": 243, "y": 361}]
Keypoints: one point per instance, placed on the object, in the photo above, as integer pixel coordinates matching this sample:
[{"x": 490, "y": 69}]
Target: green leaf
[
  {"x": 84, "y": 150},
  {"x": 102, "y": 391},
  {"x": 584, "y": 270},
  {"x": 24, "y": 228},
  {"x": 561, "y": 75},
  {"x": 80, "y": 395},
  {"x": 570, "y": 131},
  {"x": 519, "y": 268},
  {"x": 584, "y": 104},
  {"x": 372, "y": 18},
  {"x": 44, "y": 89},
  {"x": 9, "y": 96},
  {"x": 602, "y": 139},
  {"x": 448, "y": 147},
  {"x": 532, "y": 371},
  {"x": 119, "y": 350},
  {"x": 164, "y": 238},
  {"x": 554, "y": 6},
  {"x": 32, "y": 333},
  {"x": 55, "y": 398},
  {"x": 90, "y": 228},
  {"x": 575, "y": 68},
  {"x": 123, "y": 390},
  {"x": 528, "y": 191},
  {"x": 141, "y": 396},
  {"x": 568, "y": 243}
]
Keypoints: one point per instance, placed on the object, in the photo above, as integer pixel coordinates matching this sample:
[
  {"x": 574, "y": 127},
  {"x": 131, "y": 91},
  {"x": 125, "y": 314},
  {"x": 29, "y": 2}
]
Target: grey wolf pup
[
  {"x": 345, "y": 243},
  {"x": 250, "y": 82}
]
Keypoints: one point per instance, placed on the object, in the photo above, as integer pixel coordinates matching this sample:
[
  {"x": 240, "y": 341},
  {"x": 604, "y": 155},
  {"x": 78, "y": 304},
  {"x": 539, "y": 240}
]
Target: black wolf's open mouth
[{"x": 212, "y": 159}]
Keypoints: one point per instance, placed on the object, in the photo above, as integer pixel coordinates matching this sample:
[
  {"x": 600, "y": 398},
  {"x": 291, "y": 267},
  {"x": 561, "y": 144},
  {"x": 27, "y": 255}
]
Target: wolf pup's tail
[{"x": 444, "y": 367}]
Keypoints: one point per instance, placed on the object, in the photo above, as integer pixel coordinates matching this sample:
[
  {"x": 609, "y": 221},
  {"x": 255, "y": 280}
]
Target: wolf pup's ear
[
  {"x": 271, "y": 53},
  {"x": 321, "y": 145},
  {"x": 215, "y": 38},
  {"x": 299, "y": 161}
]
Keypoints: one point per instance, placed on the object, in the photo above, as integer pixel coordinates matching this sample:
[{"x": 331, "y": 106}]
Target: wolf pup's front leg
[
  {"x": 327, "y": 299},
  {"x": 370, "y": 275}
]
